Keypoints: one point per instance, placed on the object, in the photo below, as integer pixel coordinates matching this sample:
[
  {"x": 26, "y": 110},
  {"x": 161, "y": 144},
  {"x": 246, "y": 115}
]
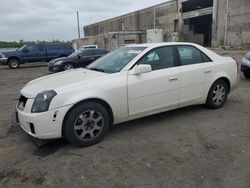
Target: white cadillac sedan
[{"x": 132, "y": 82}]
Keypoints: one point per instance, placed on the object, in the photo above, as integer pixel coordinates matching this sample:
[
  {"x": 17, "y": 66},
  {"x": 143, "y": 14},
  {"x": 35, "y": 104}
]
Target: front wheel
[
  {"x": 87, "y": 124},
  {"x": 14, "y": 63},
  {"x": 217, "y": 95},
  {"x": 68, "y": 66}
]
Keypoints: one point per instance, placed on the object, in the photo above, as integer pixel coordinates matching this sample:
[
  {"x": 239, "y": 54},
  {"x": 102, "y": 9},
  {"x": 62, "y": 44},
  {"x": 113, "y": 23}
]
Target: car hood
[
  {"x": 55, "y": 81},
  {"x": 64, "y": 59},
  {"x": 9, "y": 52}
]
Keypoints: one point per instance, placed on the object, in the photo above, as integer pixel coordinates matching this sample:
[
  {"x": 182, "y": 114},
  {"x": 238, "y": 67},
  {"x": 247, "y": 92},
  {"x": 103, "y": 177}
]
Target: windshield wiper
[{"x": 96, "y": 69}]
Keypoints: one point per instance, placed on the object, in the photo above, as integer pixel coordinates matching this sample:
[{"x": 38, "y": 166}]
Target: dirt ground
[{"x": 189, "y": 147}]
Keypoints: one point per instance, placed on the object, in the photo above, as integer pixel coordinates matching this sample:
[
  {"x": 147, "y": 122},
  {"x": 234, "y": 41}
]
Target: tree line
[{"x": 20, "y": 43}]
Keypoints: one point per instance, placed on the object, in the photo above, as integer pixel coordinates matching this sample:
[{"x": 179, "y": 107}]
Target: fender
[
  {"x": 16, "y": 57},
  {"x": 215, "y": 77},
  {"x": 119, "y": 109}
]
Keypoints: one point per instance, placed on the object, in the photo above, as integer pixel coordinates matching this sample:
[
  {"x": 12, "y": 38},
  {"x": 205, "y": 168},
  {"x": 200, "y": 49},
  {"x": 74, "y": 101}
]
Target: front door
[
  {"x": 29, "y": 53},
  {"x": 158, "y": 90}
]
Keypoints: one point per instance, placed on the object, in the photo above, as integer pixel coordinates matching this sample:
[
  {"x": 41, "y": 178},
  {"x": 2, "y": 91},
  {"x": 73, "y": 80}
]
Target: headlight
[
  {"x": 42, "y": 101},
  {"x": 57, "y": 63},
  {"x": 2, "y": 56}
]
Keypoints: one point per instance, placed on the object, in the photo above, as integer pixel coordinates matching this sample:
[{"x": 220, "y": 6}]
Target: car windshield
[
  {"x": 116, "y": 60},
  {"x": 75, "y": 54}
]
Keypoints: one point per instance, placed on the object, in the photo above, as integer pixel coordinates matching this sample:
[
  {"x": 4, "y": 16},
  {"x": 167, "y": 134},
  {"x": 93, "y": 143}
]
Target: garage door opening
[{"x": 198, "y": 30}]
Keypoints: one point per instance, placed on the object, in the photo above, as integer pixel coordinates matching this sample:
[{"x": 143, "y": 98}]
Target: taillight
[{"x": 237, "y": 64}]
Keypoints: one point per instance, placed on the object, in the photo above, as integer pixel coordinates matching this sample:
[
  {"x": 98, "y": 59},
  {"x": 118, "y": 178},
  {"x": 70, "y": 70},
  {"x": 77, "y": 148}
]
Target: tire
[
  {"x": 217, "y": 95},
  {"x": 14, "y": 63},
  {"x": 86, "y": 124},
  {"x": 68, "y": 66},
  {"x": 247, "y": 74}
]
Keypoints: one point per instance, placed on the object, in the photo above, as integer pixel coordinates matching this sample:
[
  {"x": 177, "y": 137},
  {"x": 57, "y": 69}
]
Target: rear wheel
[
  {"x": 217, "y": 95},
  {"x": 14, "y": 63},
  {"x": 68, "y": 66},
  {"x": 247, "y": 74},
  {"x": 87, "y": 124}
]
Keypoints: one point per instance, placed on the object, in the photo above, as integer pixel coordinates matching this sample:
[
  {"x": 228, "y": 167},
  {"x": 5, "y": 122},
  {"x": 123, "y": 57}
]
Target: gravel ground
[{"x": 189, "y": 147}]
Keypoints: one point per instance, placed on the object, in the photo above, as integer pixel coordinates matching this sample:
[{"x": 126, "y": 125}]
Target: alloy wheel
[
  {"x": 219, "y": 94},
  {"x": 89, "y": 125}
]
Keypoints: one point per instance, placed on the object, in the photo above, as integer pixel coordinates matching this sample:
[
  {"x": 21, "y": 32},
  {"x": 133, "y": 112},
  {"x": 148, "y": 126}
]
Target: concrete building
[{"x": 206, "y": 22}]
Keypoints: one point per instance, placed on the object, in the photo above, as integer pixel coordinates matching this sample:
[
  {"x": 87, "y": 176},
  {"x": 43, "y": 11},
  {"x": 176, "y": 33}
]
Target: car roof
[
  {"x": 147, "y": 45},
  {"x": 88, "y": 49}
]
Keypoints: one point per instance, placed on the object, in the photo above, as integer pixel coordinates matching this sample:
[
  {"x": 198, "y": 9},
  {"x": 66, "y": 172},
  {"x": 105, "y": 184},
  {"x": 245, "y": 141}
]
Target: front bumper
[
  {"x": 54, "y": 68},
  {"x": 46, "y": 125},
  {"x": 4, "y": 61}
]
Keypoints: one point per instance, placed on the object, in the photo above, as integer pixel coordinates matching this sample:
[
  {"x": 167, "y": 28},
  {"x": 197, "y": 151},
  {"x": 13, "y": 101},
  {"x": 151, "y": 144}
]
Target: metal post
[
  {"x": 154, "y": 18},
  {"x": 77, "y": 14},
  {"x": 215, "y": 23},
  {"x": 226, "y": 24}
]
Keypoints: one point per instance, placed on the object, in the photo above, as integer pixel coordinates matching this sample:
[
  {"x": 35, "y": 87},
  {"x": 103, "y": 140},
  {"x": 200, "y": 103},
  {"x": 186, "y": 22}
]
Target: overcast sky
[{"x": 56, "y": 19}]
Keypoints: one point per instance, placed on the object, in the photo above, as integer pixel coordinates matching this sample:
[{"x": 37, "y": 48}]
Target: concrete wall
[
  {"x": 238, "y": 25},
  {"x": 238, "y": 29},
  {"x": 142, "y": 20}
]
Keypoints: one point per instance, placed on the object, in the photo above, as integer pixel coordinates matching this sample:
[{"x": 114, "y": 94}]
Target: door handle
[
  {"x": 173, "y": 79},
  {"x": 92, "y": 58},
  {"x": 208, "y": 71}
]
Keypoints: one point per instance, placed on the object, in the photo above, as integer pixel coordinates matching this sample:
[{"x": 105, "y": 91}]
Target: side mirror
[{"x": 140, "y": 69}]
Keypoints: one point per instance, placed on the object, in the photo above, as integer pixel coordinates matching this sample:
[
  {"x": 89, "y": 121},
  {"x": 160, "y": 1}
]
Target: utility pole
[
  {"x": 226, "y": 24},
  {"x": 77, "y": 15}
]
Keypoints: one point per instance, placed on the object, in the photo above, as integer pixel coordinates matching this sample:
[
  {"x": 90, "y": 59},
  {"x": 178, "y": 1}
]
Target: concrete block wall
[
  {"x": 238, "y": 27},
  {"x": 139, "y": 21}
]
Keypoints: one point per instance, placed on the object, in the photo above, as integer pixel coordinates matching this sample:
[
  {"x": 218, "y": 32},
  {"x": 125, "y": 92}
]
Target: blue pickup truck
[{"x": 35, "y": 52}]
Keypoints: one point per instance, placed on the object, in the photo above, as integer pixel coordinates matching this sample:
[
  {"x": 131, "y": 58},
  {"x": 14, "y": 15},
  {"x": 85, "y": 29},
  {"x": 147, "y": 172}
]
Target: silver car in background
[{"x": 245, "y": 65}]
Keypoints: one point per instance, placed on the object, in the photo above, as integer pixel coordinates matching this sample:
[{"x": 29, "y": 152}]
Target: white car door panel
[
  {"x": 194, "y": 82},
  {"x": 195, "y": 74},
  {"x": 155, "y": 90}
]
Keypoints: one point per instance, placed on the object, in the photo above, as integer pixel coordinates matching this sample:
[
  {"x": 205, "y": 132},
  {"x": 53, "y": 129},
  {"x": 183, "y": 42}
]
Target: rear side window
[
  {"x": 190, "y": 55},
  {"x": 100, "y": 52},
  {"x": 160, "y": 58},
  {"x": 58, "y": 46}
]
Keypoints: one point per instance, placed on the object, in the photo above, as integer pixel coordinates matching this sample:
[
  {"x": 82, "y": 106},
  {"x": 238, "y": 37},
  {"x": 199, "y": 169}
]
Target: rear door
[
  {"x": 41, "y": 53},
  {"x": 158, "y": 90},
  {"x": 196, "y": 70}
]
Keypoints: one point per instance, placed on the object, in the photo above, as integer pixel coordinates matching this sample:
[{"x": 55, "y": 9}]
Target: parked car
[
  {"x": 129, "y": 83},
  {"x": 245, "y": 65},
  {"x": 88, "y": 47},
  {"x": 36, "y": 52},
  {"x": 78, "y": 59}
]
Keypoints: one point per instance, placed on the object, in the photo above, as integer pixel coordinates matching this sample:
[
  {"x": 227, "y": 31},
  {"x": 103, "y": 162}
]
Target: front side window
[
  {"x": 160, "y": 58},
  {"x": 116, "y": 60},
  {"x": 41, "y": 47},
  {"x": 189, "y": 55},
  {"x": 31, "y": 48}
]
